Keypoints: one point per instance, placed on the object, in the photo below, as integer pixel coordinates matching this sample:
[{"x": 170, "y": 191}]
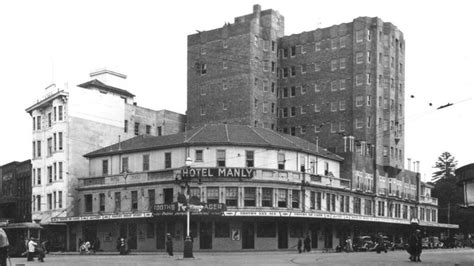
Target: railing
[
  {"x": 429, "y": 200},
  {"x": 129, "y": 178}
]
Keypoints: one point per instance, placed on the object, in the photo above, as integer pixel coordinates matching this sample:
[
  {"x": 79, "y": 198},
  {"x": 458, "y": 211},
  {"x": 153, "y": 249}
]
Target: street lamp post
[{"x": 188, "y": 244}]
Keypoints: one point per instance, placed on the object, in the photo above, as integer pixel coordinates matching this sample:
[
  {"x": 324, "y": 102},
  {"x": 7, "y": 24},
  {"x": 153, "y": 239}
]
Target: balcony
[
  {"x": 428, "y": 200},
  {"x": 129, "y": 178}
]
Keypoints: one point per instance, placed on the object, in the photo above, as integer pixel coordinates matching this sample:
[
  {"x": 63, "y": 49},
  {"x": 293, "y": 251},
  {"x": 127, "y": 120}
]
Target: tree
[{"x": 447, "y": 165}]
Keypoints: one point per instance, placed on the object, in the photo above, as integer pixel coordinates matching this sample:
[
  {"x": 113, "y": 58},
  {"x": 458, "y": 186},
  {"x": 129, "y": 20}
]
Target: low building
[{"x": 255, "y": 189}]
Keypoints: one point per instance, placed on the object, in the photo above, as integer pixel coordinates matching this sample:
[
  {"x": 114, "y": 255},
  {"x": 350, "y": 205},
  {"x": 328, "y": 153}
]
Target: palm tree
[{"x": 447, "y": 165}]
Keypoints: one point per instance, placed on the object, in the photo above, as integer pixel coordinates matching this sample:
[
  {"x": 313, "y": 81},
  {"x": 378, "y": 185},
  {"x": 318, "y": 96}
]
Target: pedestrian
[
  {"x": 40, "y": 250},
  {"x": 307, "y": 243},
  {"x": 31, "y": 249},
  {"x": 4, "y": 244},
  {"x": 348, "y": 244},
  {"x": 381, "y": 244},
  {"x": 300, "y": 243},
  {"x": 414, "y": 245},
  {"x": 123, "y": 246},
  {"x": 169, "y": 244}
]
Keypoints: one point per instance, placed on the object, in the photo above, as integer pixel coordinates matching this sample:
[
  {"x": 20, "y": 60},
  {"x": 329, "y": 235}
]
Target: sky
[{"x": 61, "y": 42}]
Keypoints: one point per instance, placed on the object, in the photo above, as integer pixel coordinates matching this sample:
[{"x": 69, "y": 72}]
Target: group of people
[
  {"x": 35, "y": 248},
  {"x": 306, "y": 244},
  {"x": 86, "y": 247}
]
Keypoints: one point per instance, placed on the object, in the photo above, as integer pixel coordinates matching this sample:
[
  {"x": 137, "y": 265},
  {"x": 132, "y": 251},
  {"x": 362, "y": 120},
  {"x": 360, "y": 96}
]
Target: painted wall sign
[
  {"x": 177, "y": 208},
  {"x": 217, "y": 172}
]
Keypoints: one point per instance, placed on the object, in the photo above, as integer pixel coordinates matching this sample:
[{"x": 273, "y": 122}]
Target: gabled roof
[
  {"x": 98, "y": 84},
  {"x": 213, "y": 135}
]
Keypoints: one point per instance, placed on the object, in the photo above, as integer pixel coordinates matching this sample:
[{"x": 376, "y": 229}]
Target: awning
[{"x": 101, "y": 217}]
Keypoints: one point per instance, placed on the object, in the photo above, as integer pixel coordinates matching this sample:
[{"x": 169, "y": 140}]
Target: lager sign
[{"x": 217, "y": 172}]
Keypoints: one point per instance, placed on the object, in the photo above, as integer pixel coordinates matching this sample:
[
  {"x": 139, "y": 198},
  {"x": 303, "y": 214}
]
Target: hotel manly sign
[{"x": 217, "y": 172}]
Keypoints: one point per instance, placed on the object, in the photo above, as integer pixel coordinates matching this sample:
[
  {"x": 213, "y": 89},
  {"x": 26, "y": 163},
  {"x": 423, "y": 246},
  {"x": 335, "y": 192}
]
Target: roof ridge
[
  {"x": 227, "y": 132},
  {"x": 255, "y": 131},
  {"x": 197, "y": 131}
]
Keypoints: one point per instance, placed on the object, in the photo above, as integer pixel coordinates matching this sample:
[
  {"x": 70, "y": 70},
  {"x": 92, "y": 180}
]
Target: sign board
[
  {"x": 100, "y": 217},
  {"x": 177, "y": 208},
  {"x": 217, "y": 172}
]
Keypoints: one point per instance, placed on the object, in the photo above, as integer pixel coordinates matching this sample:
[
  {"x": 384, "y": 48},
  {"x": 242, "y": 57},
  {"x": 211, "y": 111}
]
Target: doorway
[
  {"x": 205, "y": 235},
  {"x": 328, "y": 237},
  {"x": 283, "y": 236},
  {"x": 160, "y": 236},
  {"x": 248, "y": 235},
  {"x": 314, "y": 235}
]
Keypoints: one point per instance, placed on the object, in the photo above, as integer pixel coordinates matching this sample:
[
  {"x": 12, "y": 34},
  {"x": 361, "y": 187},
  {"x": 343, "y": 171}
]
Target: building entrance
[
  {"x": 248, "y": 235},
  {"x": 283, "y": 235}
]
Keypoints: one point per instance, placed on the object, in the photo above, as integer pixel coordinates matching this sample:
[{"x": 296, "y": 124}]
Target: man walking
[
  {"x": 31, "y": 249},
  {"x": 3, "y": 247},
  {"x": 169, "y": 244}
]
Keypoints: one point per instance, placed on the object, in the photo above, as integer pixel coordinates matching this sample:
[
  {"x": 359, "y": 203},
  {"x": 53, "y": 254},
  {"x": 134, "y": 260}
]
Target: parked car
[
  {"x": 425, "y": 242},
  {"x": 435, "y": 242},
  {"x": 363, "y": 243}
]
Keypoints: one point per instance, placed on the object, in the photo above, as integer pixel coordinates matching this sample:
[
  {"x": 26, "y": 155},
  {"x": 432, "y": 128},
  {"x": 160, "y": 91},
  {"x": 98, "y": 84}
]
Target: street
[{"x": 463, "y": 256}]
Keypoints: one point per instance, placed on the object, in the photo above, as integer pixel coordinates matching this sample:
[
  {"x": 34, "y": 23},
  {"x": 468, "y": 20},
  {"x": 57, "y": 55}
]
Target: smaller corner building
[
  {"x": 258, "y": 190},
  {"x": 15, "y": 192}
]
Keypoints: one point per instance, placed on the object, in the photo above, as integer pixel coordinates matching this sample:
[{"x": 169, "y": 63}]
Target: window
[
  {"x": 146, "y": 162},
  {"x": 34, "y": 123},
  {"x": 303, "y": 129},
  {"x": 368, "y": 207},
  {"x": 101, "y": 202},
  {"x": 359, "y": 58},
  {"x": 60, "y": 199},
  {"x": 39, "y": 176},
  {"x": 369, "y": 100},
  {"x": 267, "y": 197},
  {"x": 369, "y": 78},
  {"x": 38, "y": 122},
  {"x": 220, "y": 156},
  {"x": 359, "y": 101},
  {"x": 105, "y": 167},
  {"x": 212, "y": 194},
  {"x": 317, "y": 46},
  {"x": 249, "y": 155},
  {"x": 50, "y": 202},
  {"x": 342, "y": 63},
  {"x": 124, "y": 164},
  {"x": 167, "y": 159},
  {"x": 60, "y": 113},
  {"x": 342, "y": 42},
  {"x": 60, "y": 170},
  {"x": 148, "y": 129},
  {"x": 118, "y": 202},
  {"x": 303, "y": 68},
  {"x": 316, "y": 67},
  {"x": 231, "y": 196},
  {"x": 50, "y": 174},
  {"x": 334, "y": 43},
  {"x": 295, "y": 199},
  {"x": 369, "y": 58},
  {"x": 249, "y": 196},
  {"x": 282, "y": 198},
  {"x": 87, "y": 202},
  {"x": 203, "y": 69},
  {"x": 296, "y": 229},
  {"x": 312, "y": 200},
  {"x": 49, "y": 120},
  {"x": 158, "y": 131},
  {"x": 151, "y": 199},
  {"x": 221, "y": 229},
  {"x": 369, "y": 121},
  {"x": 266, "y": 229},
  {"x": 356, "y": 203},
  {"x": 50, "y": 147},
  {"x": 334, "y": 64},
  {"x": 136, "y": 128},
  {"x": 38, "y": 201},
  {"x": 285, "y": 52},
  {"x": 60, "y": 141},
  {"x": 293, "y": 91},
  {"x": 342, "y": 105},
  {"x": 292, "y": 111},
  {"x": 333, "y": 106},
  {"x": 168, "y": 195},
  {"x": 273, "y": 46},
  {"x": 281, "y": 161},
  {"x": 265, "y": 107},
  {"x": 359, "y": 79},
  {"x": 203, "y": 50},
  {"x": 359, "y": 36},
  {"x": 199, "y": 155},
  {"x": 293, "y": 51}
]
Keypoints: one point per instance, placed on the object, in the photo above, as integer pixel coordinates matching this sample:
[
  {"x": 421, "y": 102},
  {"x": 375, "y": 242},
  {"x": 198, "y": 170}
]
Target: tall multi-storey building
[
  {"x": 70, "y": 122},
  {"x": 232, "y": 71},
  {"x": 341, "y": 86}
]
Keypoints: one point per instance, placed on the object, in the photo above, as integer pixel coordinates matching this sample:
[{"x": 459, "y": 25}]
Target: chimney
[
  {"x": 417, "y": 166},
  {"x": 409, "y": 164},
  {"x": 257, "y": 9}
]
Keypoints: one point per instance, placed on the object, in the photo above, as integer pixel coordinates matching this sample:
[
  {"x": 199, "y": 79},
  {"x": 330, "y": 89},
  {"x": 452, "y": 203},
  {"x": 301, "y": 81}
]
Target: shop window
[
  {"x": 221, "y": 229},
  {"x": 296, "y": 230},
  {"x": 266, "y": 229}
]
